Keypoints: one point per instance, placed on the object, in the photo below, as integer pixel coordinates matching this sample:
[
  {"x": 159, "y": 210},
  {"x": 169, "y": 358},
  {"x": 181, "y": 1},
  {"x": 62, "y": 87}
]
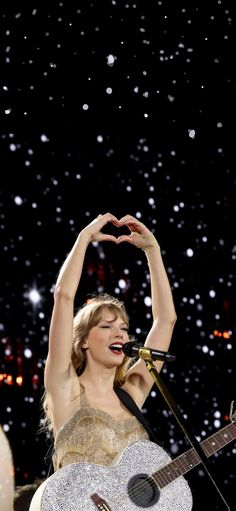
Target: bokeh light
[{"x": 127, "y": 109}]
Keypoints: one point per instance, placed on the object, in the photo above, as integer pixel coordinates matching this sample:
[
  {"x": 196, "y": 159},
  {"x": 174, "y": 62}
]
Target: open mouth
[{"x": 116, "y": 348}]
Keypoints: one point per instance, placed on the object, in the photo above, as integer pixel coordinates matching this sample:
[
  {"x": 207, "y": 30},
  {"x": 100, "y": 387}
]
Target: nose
[{"x": 118, "y": 333}]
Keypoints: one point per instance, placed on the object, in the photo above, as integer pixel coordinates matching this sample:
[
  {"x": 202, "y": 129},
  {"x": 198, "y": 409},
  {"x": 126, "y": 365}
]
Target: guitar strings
[
  {"x": 137, "y": 490},
  {"x": 141, "y": 486}
]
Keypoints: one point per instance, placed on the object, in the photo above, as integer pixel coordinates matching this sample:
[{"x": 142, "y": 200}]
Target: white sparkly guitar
[{"x": 145, "y": 477}]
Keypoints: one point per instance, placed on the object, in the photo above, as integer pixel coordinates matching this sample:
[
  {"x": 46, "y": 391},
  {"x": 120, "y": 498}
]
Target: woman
[{"x": 85, "y": 362}]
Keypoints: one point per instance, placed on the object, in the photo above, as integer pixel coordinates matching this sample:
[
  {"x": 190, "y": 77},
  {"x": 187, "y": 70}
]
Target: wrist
[
  {"x": 84, "y": 237},
  {"x": 151, "y": 248}
]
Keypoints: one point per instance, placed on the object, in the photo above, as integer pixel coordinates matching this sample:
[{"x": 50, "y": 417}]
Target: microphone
[{"x": 131, "y": 349}]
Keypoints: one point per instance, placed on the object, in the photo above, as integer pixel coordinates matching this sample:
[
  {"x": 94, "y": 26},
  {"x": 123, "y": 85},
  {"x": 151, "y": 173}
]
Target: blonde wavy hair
[{"x": 86, "y": 318}]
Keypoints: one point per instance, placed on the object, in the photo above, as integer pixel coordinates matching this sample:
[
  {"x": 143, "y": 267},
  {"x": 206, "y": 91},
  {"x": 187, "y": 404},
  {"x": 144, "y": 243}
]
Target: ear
[{"x": 84, "y": 345}]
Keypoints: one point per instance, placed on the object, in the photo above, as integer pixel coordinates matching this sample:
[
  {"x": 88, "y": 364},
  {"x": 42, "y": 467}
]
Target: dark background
[{"x": 126, "y": 107}]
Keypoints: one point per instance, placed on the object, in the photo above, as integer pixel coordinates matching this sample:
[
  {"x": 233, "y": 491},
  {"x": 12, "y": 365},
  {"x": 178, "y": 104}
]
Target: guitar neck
[{"x": 190, "y": 458}]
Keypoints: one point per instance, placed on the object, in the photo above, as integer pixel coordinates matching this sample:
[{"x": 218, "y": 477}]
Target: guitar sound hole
[{"x": 143, "y": 491}]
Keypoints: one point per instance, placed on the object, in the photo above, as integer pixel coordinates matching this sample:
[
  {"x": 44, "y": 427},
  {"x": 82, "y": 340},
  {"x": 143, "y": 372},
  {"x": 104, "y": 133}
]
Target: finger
[
  {"x": 131, "y": 222},
  {"x": 108, "y": 217},
  {"x": 124, "y": 238},
  {"x": 102, "y": 220},
  {"x": 106, "y": 237},
  {"x": 116, "y": 222},
  {"x": 133, "y": 226},
  {"x": 127, "y": 218}
]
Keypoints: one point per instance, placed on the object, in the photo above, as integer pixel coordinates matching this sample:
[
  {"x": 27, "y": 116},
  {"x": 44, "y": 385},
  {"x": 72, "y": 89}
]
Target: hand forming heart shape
[{"x": 139, "y": 236}]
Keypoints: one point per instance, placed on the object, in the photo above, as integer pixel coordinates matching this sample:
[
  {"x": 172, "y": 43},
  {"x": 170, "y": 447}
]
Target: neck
[{"x": 102, "y": 380}]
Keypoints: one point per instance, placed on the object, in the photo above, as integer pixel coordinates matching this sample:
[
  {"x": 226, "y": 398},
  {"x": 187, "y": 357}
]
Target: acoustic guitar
[{"x": 144, "y": 477}]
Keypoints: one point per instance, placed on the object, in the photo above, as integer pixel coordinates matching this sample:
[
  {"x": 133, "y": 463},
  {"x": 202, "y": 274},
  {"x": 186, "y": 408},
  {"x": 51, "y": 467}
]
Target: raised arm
[
  {"x": 58, "y": 364},
  {"x": 139, "y": 380}
]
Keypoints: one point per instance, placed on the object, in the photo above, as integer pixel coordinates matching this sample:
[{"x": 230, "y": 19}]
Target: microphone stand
[{"x": 146, "y": 355}]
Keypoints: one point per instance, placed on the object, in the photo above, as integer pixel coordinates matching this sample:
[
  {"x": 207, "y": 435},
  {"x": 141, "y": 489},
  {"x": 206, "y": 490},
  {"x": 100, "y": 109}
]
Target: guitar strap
[{"x": 130, "y": 404}]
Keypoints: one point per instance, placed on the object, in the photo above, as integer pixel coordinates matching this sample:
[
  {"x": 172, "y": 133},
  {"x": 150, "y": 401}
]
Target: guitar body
[{"x": 123, "y": 487}]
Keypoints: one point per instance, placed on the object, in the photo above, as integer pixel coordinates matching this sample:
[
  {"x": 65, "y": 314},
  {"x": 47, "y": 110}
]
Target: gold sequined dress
[{"x": 94, "y": 436}]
